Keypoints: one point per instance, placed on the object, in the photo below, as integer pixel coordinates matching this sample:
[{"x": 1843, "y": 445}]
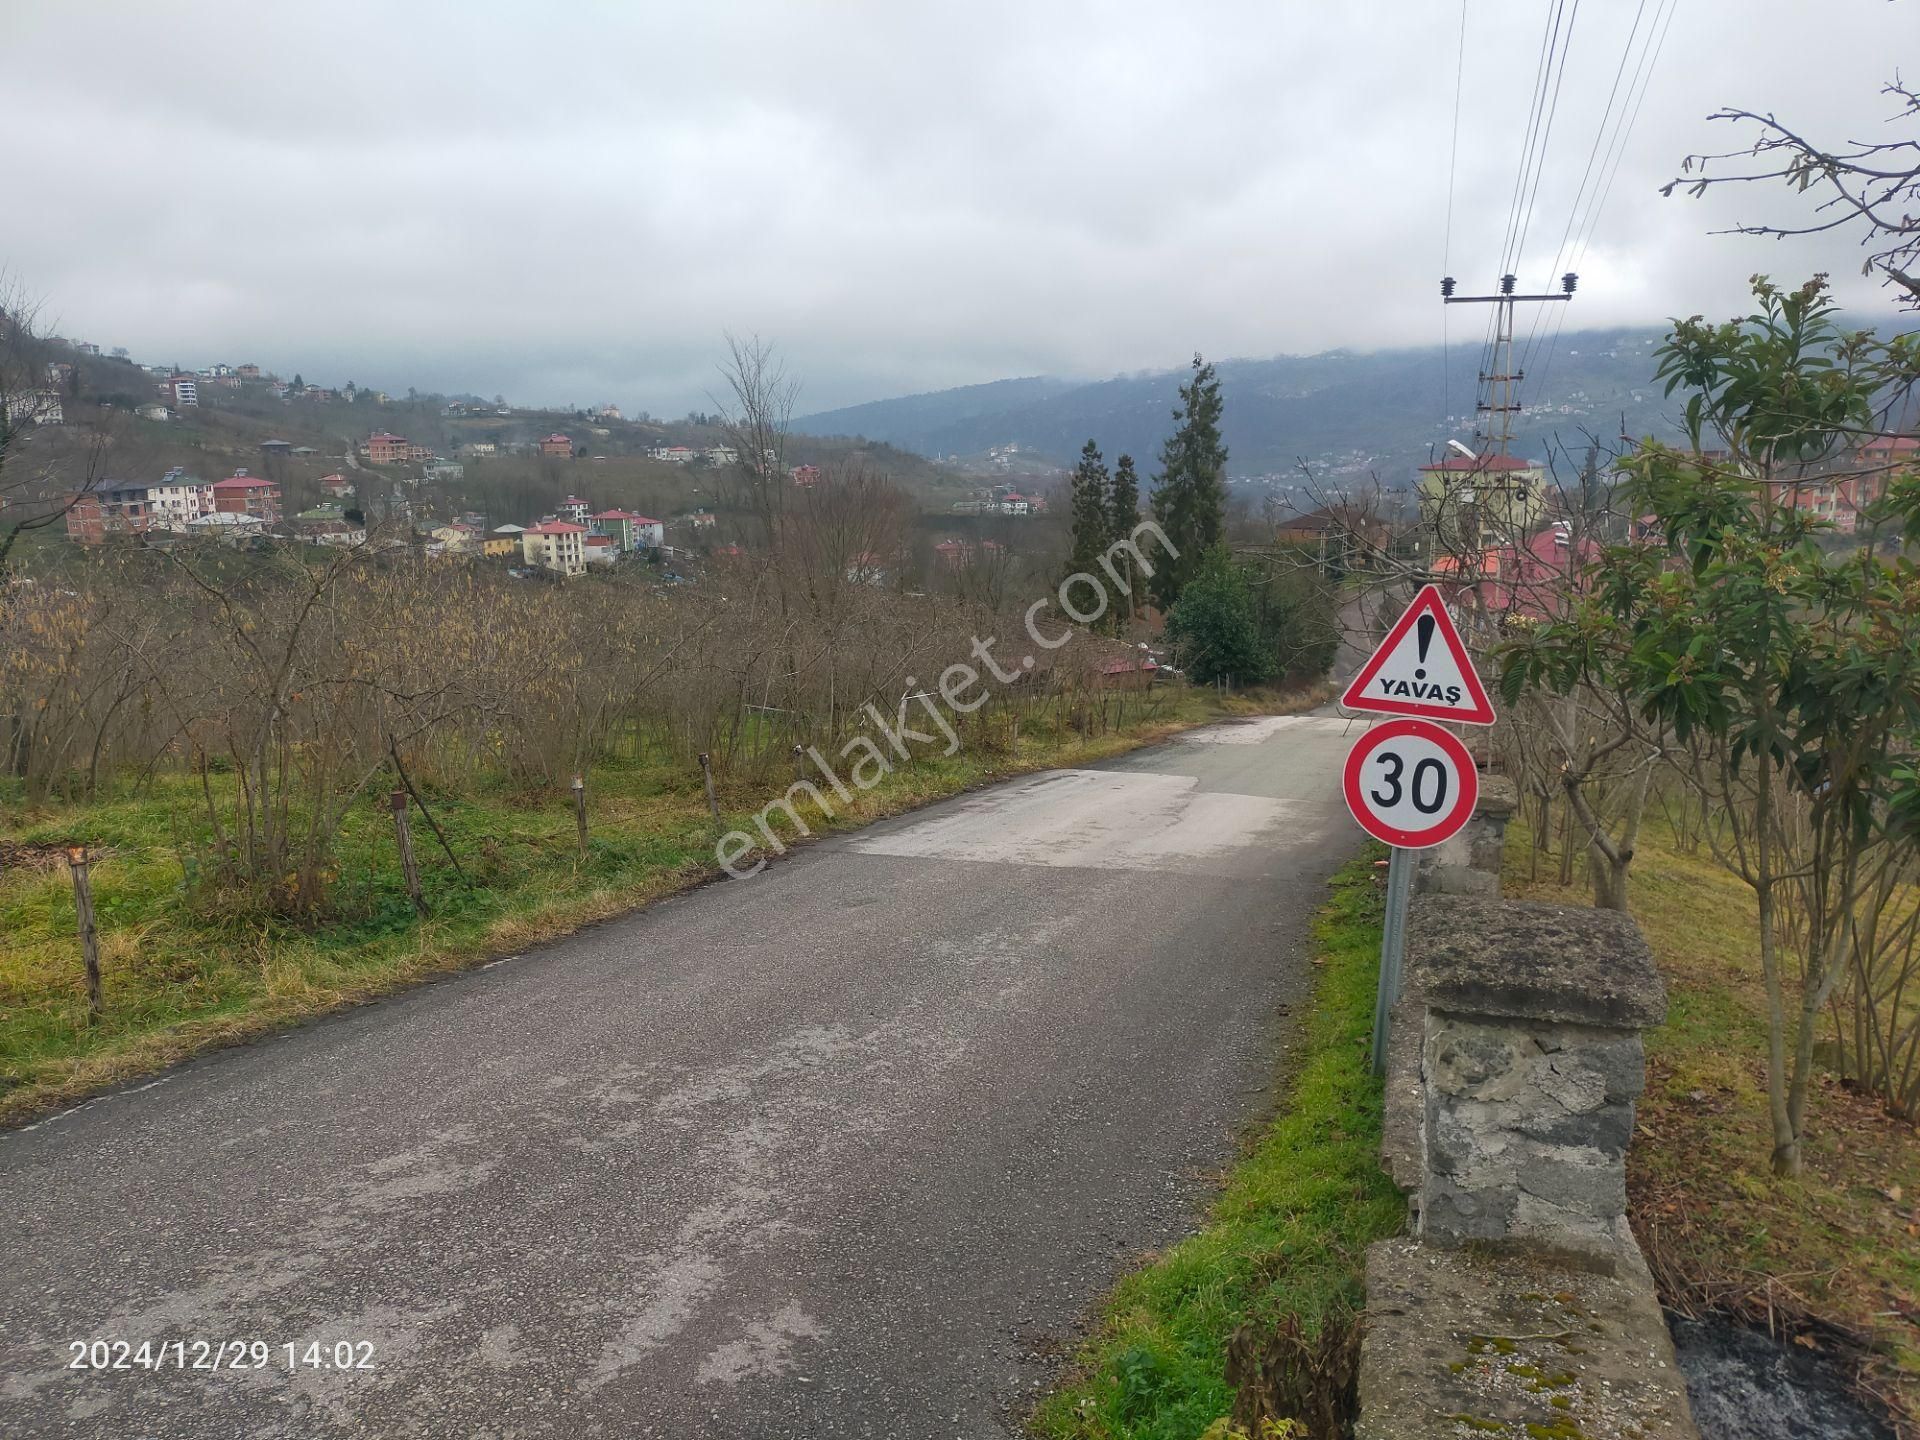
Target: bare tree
[
  {"x": 755, "y": 422},
  {"x": 1870, "y": 185},
  {"x": 46, "y": 467}
]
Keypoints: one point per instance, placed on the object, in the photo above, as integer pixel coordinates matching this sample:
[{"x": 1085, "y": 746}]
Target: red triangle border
[{"x": 1428, "y": 602}]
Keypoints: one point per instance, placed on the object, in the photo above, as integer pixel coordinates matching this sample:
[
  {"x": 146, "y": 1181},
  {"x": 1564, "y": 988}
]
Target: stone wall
[{"x": 1520, "y": 1304}]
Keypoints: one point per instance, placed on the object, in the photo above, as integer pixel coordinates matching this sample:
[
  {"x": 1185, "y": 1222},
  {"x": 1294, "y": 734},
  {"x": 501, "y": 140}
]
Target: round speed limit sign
[{"x": 1411, "y": 783}]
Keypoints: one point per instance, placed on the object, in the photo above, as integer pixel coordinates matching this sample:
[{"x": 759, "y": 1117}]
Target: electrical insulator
[
  {"x": 1446, "y": 288},
  {"x": 1506, "y": 284},
  {"x": 1567, "y": 282}
]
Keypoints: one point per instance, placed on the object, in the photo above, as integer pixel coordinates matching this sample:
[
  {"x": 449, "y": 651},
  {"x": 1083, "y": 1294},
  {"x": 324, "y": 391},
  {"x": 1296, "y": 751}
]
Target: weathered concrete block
[
  {"x": 1607, "y": 1130},
  {"x": 1529, "y": 1065},
  {"x": 1518, "y": 960},
  {"x": 1463, "y": 1342}
]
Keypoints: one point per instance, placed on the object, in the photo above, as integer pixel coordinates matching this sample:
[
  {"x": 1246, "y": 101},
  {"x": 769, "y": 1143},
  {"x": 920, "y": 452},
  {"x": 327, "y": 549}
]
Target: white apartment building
[
  {"x": 556, "y": 545},
  {"x": 179, "y": 499}
]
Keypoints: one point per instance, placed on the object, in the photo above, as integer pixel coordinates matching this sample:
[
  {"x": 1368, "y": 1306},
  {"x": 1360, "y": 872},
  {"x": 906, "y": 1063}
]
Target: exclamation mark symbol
[{"x": 1423, "y": 637}]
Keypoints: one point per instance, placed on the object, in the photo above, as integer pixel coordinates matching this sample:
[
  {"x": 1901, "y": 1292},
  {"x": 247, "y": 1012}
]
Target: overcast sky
[{"x": 571, "y": 203}]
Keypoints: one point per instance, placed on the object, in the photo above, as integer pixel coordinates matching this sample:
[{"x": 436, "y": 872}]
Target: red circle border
[{"x": 1441, "y": 830}]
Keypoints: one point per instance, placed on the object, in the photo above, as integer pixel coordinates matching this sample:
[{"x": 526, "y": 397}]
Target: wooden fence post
[
  {"x": 89, "y": 934},
  {"x": 403, "y": 837},
  {"x": 580, "y": 811},
  {"x": 706, "y": 769}
]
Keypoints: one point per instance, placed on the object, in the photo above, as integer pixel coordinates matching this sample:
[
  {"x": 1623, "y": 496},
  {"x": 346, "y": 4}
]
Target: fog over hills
[{"x": 1342, "y": 411}]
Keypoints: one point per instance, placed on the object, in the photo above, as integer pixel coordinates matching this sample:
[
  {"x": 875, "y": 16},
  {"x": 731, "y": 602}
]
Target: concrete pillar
[{"x": 1530, "y": 1064}]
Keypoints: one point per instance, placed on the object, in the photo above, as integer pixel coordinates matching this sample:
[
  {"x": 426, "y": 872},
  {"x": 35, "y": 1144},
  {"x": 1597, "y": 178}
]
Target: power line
[
  {"x": 1586, "y": 174},
  {"x": 1650, "y": 57},
  {"x": 1446, "y": 245},
  {"x": 1546, "y": 136},
  {"x": 1543, "y": 66}
]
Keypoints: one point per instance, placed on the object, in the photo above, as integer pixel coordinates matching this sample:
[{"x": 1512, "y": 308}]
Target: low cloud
[{"x": 572, "y": 204}]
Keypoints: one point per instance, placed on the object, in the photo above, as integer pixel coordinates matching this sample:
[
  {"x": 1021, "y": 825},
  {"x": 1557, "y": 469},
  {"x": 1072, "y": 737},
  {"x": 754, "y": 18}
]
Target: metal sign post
[
  {"x": 1409, "y": 783},
  {"x": 1393, "y": 951}
]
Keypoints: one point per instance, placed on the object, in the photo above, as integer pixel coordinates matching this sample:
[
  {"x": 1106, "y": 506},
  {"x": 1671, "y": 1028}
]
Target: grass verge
[
  {"x": 182, "y": 976},
  {"x": 1830, "y": 1258},
  {"x": 1288, "y": 1234}
]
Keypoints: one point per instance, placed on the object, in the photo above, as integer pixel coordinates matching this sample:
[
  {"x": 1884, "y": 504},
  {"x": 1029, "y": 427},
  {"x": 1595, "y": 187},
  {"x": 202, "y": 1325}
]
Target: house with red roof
[
  {"x": 556, "y": 545},
  {"x": 244, "y": 494},
  {"x": 557, "y": 444},
  {"x": 629, "y": 531},
  {"x": 1536, "y": 578}
]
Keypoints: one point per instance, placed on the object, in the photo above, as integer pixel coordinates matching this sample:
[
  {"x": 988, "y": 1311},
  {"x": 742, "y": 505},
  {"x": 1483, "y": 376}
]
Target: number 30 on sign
[{"x": 1410, "y": 783}]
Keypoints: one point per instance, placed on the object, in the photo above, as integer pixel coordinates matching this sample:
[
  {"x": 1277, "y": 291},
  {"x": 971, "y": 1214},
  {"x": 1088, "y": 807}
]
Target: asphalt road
[{"x": 845, "y": 1149}]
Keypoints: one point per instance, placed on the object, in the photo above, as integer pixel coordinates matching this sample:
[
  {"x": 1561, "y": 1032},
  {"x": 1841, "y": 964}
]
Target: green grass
[
  {"x": 183, "y": 971},
  {"x": 1288, "y": 1234}
]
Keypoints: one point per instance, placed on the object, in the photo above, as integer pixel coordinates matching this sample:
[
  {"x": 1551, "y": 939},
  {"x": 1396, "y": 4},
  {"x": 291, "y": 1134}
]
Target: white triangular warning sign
[{"x": 1421, "y": 668}]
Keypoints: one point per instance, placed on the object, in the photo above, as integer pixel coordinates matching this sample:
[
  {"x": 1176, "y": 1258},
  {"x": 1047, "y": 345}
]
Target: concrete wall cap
[
  {"x": 1516, "y": 959},
  {"x": 1499, "y": 796}
]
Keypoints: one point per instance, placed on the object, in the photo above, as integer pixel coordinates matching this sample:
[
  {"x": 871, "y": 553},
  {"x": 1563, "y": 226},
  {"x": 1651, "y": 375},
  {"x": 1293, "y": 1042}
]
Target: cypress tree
[
  {"x": 1123, "y": 513},
  {"x": 1089, "y": 510},
  {"x": 1190, "y": 499}
]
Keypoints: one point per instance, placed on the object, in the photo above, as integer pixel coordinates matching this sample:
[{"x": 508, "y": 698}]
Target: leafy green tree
[
  {"x": 1088, "y": 509},
  {"x": 1214, "y": 626},
  {"x": 1190, "y": 497},
  {"x": 1785, "y": 672},
  {"x": 1295, "y": 612}
]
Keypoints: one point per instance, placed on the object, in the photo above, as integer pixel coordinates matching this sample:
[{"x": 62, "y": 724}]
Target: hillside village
[{"x": 490, "y": 480}]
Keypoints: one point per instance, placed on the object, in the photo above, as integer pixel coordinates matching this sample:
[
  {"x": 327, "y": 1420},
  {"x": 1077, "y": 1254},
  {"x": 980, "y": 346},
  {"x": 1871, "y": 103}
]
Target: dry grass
[{"x": 180, "y": 981}]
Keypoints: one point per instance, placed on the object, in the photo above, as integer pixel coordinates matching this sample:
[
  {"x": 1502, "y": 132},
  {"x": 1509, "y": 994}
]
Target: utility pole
[{"x": 1499, "y": 396}]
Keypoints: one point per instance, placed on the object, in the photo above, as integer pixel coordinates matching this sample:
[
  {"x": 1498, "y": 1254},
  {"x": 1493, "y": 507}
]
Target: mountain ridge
[{"x": 1340, "y": 411}]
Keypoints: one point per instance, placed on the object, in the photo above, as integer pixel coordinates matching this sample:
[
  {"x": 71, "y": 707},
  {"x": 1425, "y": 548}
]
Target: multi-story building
[
  {"x": 1469, "y": 502},
  {"x": 385, "y": 449},
  {"x": 627, "y": 530},
  {"x": 572, "y": 509},
  {"x": 558, "y": 444},
  {"x": 249, "y": 495},
  {"x": 186, "y": 391},
  {"x": 556, "y": 545},
  {"x": 109, "y": 510},
  {"x": 179, "y": 498},
  {"x": 35, "y": 407}
]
